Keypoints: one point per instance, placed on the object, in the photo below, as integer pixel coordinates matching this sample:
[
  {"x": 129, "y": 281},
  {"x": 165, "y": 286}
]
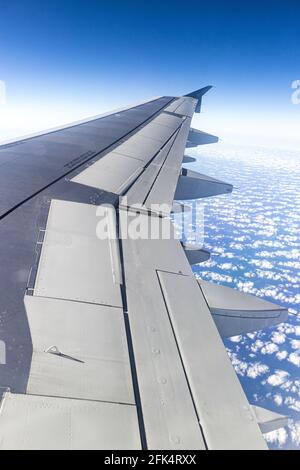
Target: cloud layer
[{"x": 254, "y": 239}]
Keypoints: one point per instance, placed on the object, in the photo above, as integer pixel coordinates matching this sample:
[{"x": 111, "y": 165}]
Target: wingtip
[{"x": 199, "y": 93}]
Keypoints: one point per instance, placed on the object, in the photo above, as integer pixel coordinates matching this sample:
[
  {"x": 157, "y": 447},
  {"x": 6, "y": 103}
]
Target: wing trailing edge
[
  {"x": 197, "y": 137},
  {"x": 237, "y": 313},
  {"x": 268, "y": 420},
  {"x": 195, "y": 253},
  {"x": 194, "y": 185}
]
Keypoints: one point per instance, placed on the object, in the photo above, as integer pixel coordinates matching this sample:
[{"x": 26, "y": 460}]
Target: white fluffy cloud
[
  {"x": 292, "y": 403},
  {"x": 295, "y": 432},
  {"x": 236, "y": 339},
  {"x": 269, "y": 348},
  {"x": 295, "y": 343},
  {"x": 278, "y": 399},
  {"x": 256, "y": 370},
  {"x": 281, "y": 355},
  {"x": 294, "y": 358},
  {"x": 278, "y": 338},
  {"x": 278, "y": 437},
  {"x": 278, "y": 378}
]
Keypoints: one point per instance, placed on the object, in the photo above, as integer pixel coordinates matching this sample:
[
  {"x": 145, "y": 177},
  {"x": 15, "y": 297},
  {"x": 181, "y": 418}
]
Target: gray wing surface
[{"x": 112, "y": 343}]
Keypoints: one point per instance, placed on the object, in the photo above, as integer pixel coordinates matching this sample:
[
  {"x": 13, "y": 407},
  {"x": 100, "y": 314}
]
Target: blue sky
[{"x": 64, "y": 60}]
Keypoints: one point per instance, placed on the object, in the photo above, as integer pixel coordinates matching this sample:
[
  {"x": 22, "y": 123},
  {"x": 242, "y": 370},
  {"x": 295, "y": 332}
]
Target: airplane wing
[{"x": 108, "y": 340}]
